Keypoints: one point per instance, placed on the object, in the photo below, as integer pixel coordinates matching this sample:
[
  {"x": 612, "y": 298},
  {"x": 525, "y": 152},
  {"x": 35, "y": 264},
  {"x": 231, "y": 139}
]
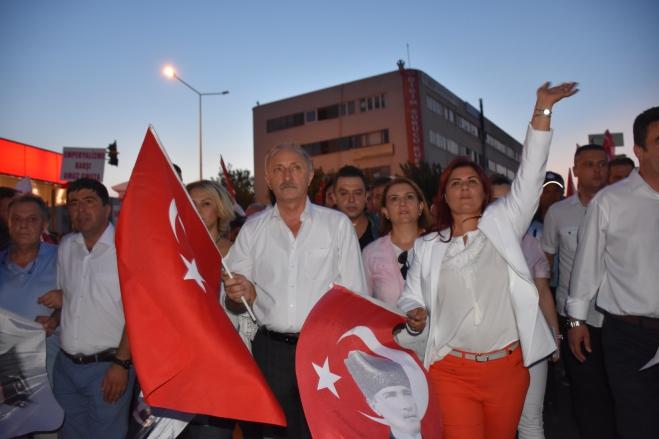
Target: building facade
[{"x": 379, "y": 123}]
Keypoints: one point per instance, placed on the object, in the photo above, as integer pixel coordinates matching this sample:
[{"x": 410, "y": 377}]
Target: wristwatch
[
  {"x": 546, "y": 112},
  {"x": 573, "y": 323},
  {"x": 123, "y": 363}
]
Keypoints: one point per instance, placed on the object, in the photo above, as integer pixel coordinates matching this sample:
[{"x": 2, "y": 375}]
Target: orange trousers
[{"x": 480, "y": 400}]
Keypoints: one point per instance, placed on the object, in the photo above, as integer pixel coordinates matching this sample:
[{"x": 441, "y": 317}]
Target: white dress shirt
[
  {"x": 475, "y": 277},
  {"x": 618, "y": 253},
  {"x": 92, "y": 313},
  {"x": 562, "y": 223},
  {"x": 291, "y": 273}
]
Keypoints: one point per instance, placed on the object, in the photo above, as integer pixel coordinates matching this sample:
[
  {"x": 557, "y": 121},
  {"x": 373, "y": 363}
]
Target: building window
[
  {"x": 434, "y": 105},
  {"x": 349, "y": 142},
  {"x": 362, "y": 104},
  {"x": 329, "y": 112},
  {"x": 351, "y": 107},
  {"x": 492, "y": 166},
  {"x": 284, "y": 122},
  {"x": 467, "y": 126},
  {"x": 311, "y": 116}
]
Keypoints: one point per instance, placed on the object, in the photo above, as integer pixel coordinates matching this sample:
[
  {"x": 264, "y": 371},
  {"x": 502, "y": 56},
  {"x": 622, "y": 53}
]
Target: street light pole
[{"x": 171, "y": 73}]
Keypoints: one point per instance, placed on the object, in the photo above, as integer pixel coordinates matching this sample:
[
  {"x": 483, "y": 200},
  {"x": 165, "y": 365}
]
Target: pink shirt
[{"x": 382, "y": 270}]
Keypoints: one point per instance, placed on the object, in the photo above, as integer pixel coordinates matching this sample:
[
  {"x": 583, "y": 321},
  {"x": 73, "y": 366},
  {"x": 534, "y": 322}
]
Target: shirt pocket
[
  {"x": 568, "y": 238},
  {"x": 317, "y": 263}
]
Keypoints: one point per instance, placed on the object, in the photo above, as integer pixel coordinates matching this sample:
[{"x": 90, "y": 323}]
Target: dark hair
[
  {"x": 589, "y": 147},
  {"x": 380, "y": 181},
  {"x": 350, "y": 171},
  {"x": 499, "y": 179},
  {"x": 34, "y": 199},
  {"x": 7, "y": 192},
  {"x": 641, "y": 124},
  {"x": 444, "y": 217},
  {"x": 88, "y": 183},
  {"x": 423, "y": 221},
  {"x": 622, "y": 160}
]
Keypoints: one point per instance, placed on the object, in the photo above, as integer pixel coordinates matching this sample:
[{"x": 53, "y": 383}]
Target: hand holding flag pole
[{"x": 242, "y": 298}]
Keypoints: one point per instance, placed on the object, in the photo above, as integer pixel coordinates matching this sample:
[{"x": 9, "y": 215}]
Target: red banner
[
  {"x": 187, "y": 354},
  {"x": 355, "y": 381},
  {"x": 413, "y": 115}
]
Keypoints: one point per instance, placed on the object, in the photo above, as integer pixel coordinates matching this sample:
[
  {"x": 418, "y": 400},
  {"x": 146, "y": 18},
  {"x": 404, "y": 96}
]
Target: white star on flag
[
  {"x": 326, "y": 378},
  {"x": 193, "y": 273}
]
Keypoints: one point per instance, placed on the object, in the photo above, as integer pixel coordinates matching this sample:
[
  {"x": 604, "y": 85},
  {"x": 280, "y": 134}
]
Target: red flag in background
[
  {"x": 608, "y": 145},
  {"x": 227, "y": 179},
  {"x": 187, "y": 354},
  {"x": 570, "y": 184},
  {"x": 355, "y": 380}
]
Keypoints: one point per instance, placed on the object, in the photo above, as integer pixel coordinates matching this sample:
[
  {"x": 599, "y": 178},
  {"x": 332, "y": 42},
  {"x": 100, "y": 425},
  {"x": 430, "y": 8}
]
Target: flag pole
[{"x": 242, "y": 298}]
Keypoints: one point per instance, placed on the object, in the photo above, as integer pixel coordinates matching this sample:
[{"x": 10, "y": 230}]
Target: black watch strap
[{"x": 123, "y": 363}]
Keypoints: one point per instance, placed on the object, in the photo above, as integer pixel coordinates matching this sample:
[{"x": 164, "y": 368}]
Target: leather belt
[
  {"x": 283, "y": 337},
  {"x": 487, "y": 356},
  {"x": 103, "y": 356},
  {"x": 642, "y": 321}
]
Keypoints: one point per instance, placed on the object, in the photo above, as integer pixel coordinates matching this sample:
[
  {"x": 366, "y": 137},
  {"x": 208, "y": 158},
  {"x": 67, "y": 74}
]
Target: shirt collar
[
  {"x": 106, "y": 239},
  {"x": 636, "y": 182},
  {"x": 306, "y": 213}
]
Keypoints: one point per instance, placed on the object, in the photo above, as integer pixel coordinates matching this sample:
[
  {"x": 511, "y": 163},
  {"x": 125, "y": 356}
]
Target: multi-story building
[{"x": 379, "y": 123}]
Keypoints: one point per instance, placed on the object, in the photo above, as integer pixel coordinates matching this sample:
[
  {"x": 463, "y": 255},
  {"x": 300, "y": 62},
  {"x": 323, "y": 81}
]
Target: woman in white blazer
[{"x": 469, "y": 278}]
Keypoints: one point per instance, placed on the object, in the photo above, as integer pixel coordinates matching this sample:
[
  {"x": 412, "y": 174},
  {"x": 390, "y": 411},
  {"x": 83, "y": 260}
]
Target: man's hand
[
  {"x": 416, "y": 319},
  {"x": 576, "y": 337},
  {"x": 114, "y": 383},
  {"x": 52, "y": 299},
  {"x": 49, "y": 323},
  {"x": 238, "y": 287}
]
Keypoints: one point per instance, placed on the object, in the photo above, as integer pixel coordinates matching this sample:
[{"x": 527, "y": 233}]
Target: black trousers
[
  {"x": 276, "y": 358},
  {"x": 589, "y": 387},
  {"x": 627, "y": 348}
]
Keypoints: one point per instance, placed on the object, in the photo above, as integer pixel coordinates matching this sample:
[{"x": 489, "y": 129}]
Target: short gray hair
[
  {"x": 44, "y": 210},
  {"x": 294, "y": 147}
]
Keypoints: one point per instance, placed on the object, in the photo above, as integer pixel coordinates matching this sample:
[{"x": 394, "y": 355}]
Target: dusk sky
[{"x": 84, "y": 73}]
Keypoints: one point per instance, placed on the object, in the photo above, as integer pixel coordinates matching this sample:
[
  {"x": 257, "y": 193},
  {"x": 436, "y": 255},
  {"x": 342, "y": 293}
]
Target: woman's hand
[
  {"x": 416, "y": 319},
  {"x": 547, "y": 96}
]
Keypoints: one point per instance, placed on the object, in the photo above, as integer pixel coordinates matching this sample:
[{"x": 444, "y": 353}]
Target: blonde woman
[{"x": 216, "y": 210}]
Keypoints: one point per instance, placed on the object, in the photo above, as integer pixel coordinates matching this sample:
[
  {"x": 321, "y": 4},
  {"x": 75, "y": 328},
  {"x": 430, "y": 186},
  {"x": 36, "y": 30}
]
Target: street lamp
[{"x": 169, "y": 72}]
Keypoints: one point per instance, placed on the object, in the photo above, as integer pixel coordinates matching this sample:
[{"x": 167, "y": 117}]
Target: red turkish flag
[
  {"x": 609, "y": 145},
  {"x": 187, "y": 354},
  {"x": 355, "y": 380},
  {"x": 228, "y": 180},
  {"x": 570, "y": 184}
]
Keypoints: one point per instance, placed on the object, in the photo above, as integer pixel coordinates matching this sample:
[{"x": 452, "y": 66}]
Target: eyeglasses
[{"x": 402, "y": 259}]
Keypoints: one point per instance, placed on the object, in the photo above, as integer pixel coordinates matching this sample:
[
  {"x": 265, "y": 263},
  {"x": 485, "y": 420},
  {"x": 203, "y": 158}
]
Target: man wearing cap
[
  {"x": 552, "y": 192},
  {"x": 387, "y": 390},
  {"x": 591, "y": 396}
]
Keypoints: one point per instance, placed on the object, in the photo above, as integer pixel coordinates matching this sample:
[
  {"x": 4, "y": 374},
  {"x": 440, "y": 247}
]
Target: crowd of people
[{"x": 496, "y": 277}]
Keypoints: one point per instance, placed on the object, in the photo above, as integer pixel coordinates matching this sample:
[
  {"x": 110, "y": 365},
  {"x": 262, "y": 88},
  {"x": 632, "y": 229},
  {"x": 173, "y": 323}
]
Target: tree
[
  {"x": 426, "y": 175},
  {"x": 243, "y": 183}
]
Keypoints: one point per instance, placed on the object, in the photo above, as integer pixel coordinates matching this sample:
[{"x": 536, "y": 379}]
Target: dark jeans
[
  {"x": 627, "y": 348},
  {"x": 589, "y": 387},
  {"x": 276, "y": 358}
]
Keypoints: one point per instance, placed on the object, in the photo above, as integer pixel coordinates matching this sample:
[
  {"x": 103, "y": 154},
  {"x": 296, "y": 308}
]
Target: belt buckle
[
  {"x": 78, "y": 359},
  {"x": 481, "y": 358}
]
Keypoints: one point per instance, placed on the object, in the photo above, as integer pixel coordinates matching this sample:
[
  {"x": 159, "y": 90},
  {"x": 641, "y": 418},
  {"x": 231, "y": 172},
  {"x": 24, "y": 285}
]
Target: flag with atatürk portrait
[
  {"x": 355, "y": 380},
  {"x": 187, "y": 354}
]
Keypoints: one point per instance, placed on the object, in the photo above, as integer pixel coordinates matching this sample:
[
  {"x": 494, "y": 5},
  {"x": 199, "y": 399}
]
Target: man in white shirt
[
  {"x": 92, "y": 374},
  {"x": 591, "y": 396},
  {"x": 616, "y": 262},
  {"x": 283, "y": 261}
]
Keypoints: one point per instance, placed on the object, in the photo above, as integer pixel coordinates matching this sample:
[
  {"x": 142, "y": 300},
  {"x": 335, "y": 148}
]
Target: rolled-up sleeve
[{"x": 588, "y": 271}]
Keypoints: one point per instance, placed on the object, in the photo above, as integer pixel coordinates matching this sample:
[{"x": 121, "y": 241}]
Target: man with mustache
[{"x": 283, "y": 261}]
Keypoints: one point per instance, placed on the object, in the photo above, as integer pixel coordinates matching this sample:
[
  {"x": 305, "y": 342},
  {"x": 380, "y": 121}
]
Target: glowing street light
[{"x": 169, "y": 72}]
